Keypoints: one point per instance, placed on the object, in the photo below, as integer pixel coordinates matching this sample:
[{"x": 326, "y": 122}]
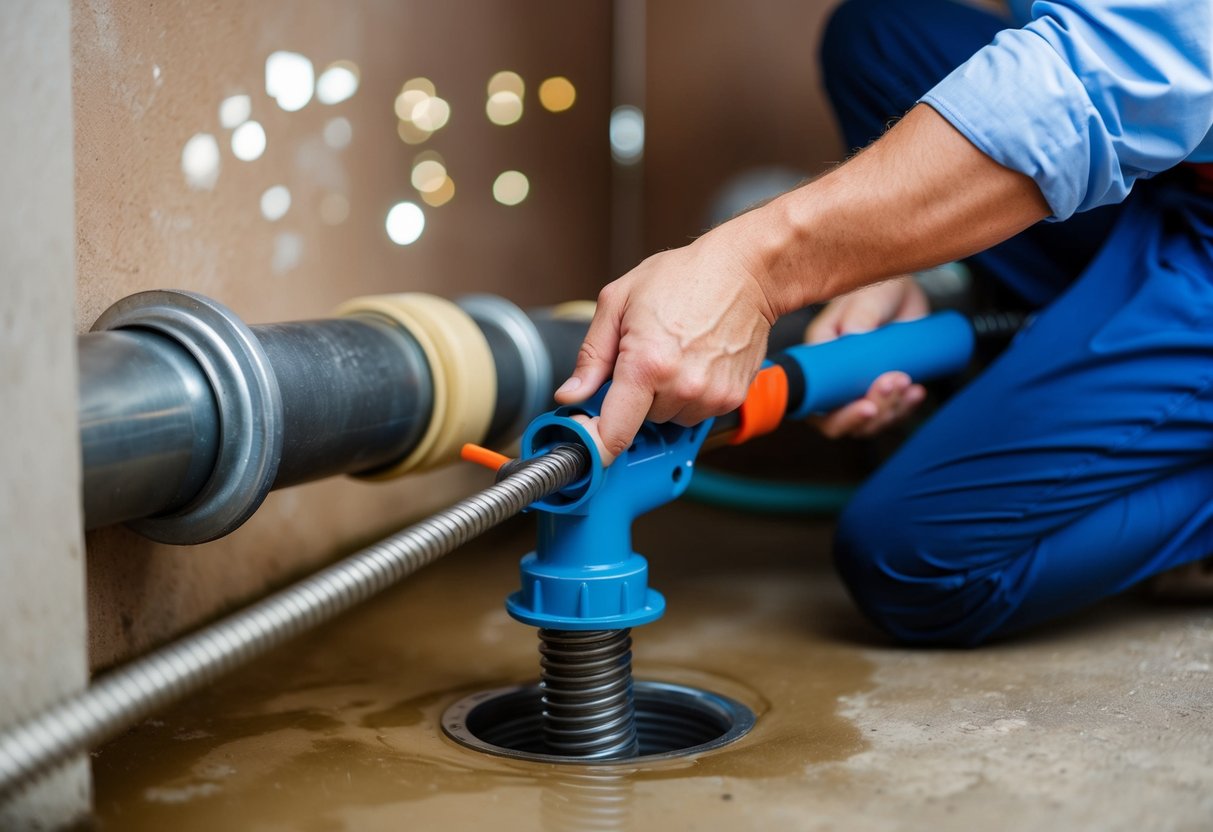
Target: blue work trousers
[{"x": 1079, "y": 462}]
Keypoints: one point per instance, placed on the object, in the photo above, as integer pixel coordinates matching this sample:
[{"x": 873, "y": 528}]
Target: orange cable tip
[{"x": 483, "y": 456}]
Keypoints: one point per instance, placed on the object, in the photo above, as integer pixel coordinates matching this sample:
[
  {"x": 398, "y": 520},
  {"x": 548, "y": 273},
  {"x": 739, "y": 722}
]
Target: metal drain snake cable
[{"x": 121, "y": 698}]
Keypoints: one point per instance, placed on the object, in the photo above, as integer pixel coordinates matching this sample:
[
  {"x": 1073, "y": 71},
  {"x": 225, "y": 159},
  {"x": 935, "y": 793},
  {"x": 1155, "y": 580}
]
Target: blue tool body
[{"x": 583, "y": 574}]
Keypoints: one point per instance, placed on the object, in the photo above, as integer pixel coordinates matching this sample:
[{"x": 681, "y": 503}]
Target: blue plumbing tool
[
  {"x": 584, "y": 575},
  {"x": 584, "y": 586}
]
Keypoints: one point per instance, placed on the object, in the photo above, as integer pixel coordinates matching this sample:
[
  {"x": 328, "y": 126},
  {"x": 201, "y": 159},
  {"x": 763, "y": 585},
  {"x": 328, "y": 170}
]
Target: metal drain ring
[{"x": 673, "y": 721}]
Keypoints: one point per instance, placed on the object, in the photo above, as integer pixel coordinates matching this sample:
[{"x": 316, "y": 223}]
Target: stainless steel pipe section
[
  {"x": 123, "y": 697},
  {"x": 149, "y": 427}
]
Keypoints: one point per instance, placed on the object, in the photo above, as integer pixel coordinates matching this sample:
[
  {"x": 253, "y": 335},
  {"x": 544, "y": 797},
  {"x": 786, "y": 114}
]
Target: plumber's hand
[
  {"x": 681, "y": 335},
  {"x": 892, "y": 396}
]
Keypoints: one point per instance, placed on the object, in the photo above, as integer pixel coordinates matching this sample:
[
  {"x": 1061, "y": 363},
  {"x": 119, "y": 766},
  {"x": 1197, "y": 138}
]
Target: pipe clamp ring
[{"x": 246, "y": 394}]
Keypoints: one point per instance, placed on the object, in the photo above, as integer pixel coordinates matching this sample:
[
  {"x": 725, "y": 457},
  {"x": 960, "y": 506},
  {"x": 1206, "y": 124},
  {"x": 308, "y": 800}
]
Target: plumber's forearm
[{"x": 920, "y": 196}]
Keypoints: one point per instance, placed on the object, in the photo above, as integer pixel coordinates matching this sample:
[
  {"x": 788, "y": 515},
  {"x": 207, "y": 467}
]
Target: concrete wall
[
  {"x": 149, "y": 77},
  {"x": 42, "y": 638}
]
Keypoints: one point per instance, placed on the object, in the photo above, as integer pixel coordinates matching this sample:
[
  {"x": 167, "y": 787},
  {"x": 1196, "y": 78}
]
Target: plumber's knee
[{"x": 916, "y": 579}]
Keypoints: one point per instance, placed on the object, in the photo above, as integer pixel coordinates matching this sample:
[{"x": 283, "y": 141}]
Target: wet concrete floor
[{"x": 1104, "y": 721}]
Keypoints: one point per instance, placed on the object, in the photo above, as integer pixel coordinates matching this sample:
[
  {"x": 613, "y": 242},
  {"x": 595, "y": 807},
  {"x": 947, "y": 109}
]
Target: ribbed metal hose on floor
[
  {"x": 121, "y": 698},
  {"x": 589, "y": 709}
]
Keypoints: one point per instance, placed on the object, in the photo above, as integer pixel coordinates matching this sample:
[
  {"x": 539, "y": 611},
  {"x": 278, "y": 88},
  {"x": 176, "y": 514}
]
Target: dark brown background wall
[{"x": 731, "y": 85}]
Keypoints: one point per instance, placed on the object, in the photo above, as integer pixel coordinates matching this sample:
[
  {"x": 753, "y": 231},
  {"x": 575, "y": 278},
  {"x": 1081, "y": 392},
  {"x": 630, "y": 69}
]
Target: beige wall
[
  {"x": 150, "y": 76},
  {"x": 42, "y": 638}
]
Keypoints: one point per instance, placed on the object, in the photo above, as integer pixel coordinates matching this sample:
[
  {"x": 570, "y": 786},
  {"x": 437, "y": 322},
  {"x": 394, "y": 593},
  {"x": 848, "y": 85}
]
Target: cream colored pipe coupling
[
  {"x": 461, "y": 366},
  {"x": 575, "y": 310}
]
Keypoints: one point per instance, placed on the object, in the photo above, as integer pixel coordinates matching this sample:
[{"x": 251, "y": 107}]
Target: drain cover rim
[{"x": 742, "y": 720}]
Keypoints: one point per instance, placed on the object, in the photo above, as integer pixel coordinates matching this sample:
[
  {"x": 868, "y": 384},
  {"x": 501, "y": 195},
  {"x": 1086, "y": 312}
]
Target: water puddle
[{"x": 341, "y": 729}]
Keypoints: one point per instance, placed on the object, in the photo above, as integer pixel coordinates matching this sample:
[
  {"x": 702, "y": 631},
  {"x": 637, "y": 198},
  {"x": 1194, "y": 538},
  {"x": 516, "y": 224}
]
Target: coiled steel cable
[
  {"x": 589, "y": 707},
  {"x": 121, "y": 698}
]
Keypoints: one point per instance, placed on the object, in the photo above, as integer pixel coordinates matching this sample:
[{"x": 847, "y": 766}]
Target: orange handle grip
[{"x": 764, "y": 407}]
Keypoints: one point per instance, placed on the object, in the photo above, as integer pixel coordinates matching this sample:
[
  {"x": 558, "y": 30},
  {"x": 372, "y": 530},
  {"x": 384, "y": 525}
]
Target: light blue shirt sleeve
[{"x": 1089, "y": 96}]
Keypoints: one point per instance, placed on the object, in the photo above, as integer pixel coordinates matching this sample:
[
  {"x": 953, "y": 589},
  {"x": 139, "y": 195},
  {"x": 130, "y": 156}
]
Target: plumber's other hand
[
  {"x": 892, "y": 396},
  {"x": 681, "y": 335}
]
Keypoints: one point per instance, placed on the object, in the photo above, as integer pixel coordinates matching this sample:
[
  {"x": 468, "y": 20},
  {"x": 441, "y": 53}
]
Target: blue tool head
[{"x": 583, "y": 574}]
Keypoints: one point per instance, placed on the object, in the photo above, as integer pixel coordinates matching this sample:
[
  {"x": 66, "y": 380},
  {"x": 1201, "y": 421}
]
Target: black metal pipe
[
  {"x": 356, "y": 395},
  {"x": 562, "y": 337}
]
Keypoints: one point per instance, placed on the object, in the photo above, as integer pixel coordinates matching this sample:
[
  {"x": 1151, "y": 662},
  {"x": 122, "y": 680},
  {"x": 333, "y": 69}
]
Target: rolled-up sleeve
[{"x": 1088, "y": 97}]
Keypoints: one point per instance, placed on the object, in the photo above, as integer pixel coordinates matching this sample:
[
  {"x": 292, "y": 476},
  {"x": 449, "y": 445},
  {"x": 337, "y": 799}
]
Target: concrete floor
[{"x": 1104, "y": 721}]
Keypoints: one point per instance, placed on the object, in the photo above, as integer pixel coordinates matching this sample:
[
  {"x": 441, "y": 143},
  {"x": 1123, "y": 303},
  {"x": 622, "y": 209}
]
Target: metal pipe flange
[
  {"x": 462, "y": 370},
  {"x": 249, "y": 403},
  {"x": 496, "y": 312}
]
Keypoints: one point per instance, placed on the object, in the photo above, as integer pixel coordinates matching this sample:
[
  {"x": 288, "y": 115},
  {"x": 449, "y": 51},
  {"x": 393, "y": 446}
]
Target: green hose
[{"x": 716, "y": 488}]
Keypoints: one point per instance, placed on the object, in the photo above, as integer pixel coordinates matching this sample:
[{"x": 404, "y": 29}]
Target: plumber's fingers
[
  {"x": 869, "y": 414},
  {"x": 624, "y": 409},
  {"x": 847, "y": 419},
  {"x": 906, "y": 403}
]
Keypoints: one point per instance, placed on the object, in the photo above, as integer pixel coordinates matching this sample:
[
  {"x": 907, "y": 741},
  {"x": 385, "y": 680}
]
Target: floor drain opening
[{"x": 671, "y": 721}]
